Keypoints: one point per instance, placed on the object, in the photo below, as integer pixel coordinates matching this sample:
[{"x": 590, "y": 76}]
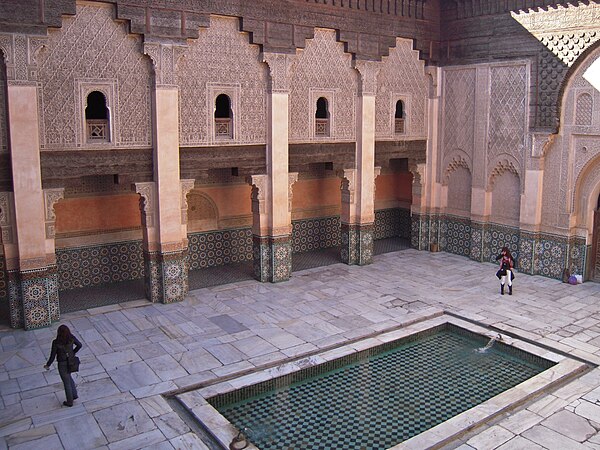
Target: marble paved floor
[{"x": 136, "y": 351}]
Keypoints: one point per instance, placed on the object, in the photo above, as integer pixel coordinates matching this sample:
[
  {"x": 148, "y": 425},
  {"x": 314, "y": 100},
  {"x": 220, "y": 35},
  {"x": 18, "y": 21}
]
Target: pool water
[{"x": 381, "y": 399}]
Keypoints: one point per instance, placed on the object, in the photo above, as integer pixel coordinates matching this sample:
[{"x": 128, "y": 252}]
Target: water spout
[
  {"x": 488, "y": 345},
  {"x": 241, "y": 440}
]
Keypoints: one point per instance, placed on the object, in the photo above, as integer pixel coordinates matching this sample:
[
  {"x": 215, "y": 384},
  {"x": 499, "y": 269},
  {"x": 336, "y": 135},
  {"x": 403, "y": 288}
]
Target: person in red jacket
[{"x": 505, "y": 273}]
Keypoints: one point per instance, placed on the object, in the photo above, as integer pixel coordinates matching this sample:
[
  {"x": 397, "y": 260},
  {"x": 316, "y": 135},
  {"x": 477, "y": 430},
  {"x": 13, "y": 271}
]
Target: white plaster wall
[{"x": 91, "y": 49}]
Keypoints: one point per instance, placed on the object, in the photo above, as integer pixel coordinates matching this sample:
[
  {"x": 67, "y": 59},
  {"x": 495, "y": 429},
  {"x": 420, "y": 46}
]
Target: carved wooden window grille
[
  {"x": 322, "y": 118},
  {"x": 97, "y": 130},
  {"x": 399, "y": 120},
  {"x": 97, "y": 118},
  {"x": 223, "y": 117}
]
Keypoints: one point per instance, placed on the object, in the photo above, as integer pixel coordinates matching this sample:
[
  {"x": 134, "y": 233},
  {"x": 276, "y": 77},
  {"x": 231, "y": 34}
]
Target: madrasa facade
[{"x": 150, "y": 139}]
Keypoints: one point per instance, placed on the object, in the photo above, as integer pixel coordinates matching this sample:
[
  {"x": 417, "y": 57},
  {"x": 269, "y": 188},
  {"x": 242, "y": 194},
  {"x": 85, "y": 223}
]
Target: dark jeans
[{"x": 68, "y": 383}]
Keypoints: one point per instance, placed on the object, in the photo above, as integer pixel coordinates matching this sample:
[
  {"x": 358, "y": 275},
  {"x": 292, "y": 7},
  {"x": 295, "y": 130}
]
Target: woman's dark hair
[
  {"x": 63, "y": 335},
  {"x": 506, "y": 251}
]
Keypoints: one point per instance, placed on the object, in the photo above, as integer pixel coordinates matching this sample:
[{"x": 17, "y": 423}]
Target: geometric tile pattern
[
  {"x": 3, "y": 280},
  {"x": 217, "y": 248},
  {"x": 314, "y": 234},
  {"x": 99, "y": 264},
  {"x": 550, "y": 256},
  {"x": 497, "y": 236},
  {"x": 272, "y": 258},
  {"x": 357, "y": 244},
  {"x": 382, "y": 399},
  {"x": 39, "y": 297},
  {"x": 167, "y": 280},
  {"x": 392, "y": 222},
  {"x": 455, "y": 235}
]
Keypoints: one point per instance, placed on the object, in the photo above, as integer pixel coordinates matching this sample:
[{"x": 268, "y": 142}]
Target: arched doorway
[{"x": 595, "y": 256}]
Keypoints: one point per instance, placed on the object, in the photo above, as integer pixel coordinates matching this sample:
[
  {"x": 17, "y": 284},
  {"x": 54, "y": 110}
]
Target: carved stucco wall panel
[
  {"x": 507, "y": 126},
  {"x": 92, "y": 47},
  {"x": 458, "y": 112},
  {"x": 323, "y": 67},
  {"x": 3, "y": 116},
  {"x": 506, "y": 196},
  {"x": 402, "y": 76},
  {"x": 223, "y": 56}
]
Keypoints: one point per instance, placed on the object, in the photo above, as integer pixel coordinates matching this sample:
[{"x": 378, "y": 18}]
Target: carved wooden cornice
[{"x": 74, "y": 164}]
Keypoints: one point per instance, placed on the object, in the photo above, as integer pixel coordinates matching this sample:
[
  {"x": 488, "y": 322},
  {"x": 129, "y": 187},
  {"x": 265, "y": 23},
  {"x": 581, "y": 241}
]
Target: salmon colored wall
[
  {"x": 394, "y": 186},
  {"x": 234, "y": 200},
  {"x": 100, "y": 213},
  {"x": 315, "y": 193}
]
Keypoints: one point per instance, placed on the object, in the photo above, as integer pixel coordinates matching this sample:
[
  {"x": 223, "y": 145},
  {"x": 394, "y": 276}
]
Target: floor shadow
[
  {"x": 101, "y": 295},
  {"x": 388, "y": 245},
  {"x": 218, "y": 275}
]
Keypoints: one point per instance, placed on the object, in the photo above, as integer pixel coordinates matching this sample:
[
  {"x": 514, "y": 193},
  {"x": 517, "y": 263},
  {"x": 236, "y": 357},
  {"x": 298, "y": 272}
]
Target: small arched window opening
[
  {"x": 322, "y": 117},
  {"x": 223, "y": 117},
  {"x": 399, "y": 118},
  {"x": 97, "y": 118}
]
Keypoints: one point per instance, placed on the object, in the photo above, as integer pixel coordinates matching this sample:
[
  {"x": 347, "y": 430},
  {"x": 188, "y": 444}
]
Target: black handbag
[{"x": 73, "y": 364}]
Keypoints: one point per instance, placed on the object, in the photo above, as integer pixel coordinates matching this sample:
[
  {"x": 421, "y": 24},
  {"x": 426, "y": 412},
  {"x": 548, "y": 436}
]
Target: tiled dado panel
[
  {"x": 497, "y": 236},
  {"x": 91, "y": 266},
  {"x": 455, "y": 235},
  {"x": 217, "y": 248},
  {"x": 549, "y": 255},
  {"x": 314, "y": 234},
  {"x": 392, "y": 222}
]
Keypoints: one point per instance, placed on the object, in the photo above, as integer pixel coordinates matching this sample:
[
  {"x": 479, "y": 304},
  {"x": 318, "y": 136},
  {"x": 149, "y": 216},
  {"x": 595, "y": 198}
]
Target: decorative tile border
[
  {"x": 39, "y": 297},
  {"x": 168, "y": 280},
  {"x": 3, "y": 280},
  {"x": 455, "y": 235}
]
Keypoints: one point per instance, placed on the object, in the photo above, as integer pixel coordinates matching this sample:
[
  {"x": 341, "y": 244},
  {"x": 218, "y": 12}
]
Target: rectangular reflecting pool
[{"x": 379, "y": 396}]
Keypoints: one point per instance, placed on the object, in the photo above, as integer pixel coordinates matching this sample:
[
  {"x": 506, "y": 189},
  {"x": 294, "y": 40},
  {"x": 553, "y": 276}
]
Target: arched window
[
  {"x": 223, "y": 117},
  {"x": 97, "y": 118},
  {"x": 399, "y": 118},
  {"x": 322, "y": 117}
]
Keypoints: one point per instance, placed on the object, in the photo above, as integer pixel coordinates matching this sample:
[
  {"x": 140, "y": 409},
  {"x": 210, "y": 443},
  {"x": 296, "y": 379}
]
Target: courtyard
[{"x": 137, "y": 354}]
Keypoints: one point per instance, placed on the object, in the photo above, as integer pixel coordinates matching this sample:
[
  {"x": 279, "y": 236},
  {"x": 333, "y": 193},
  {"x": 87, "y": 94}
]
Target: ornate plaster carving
[
  {"x": 279, "y": 69},
  {"x": 51, "y": 196},
  {"x": 348, "y": 185},
  {"x": 292, "y": 178},
  {"x": 260, "y": 185},
  {"x": 368, "y": 71},
  {"x": 20, "y": 53},
  {"x": 502, "y": 166},
  {"x": 541, "y": 144},
  {"x": 147, "y": 192},
  {"x": 6, "y": 218},
  {"x": 455, "y": 163},
  {"x": 164, "y": 59},
  {"x": 186, "y": 186}
]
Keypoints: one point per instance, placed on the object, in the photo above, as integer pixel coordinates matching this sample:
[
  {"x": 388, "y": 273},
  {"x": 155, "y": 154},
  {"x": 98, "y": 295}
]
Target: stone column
[
  {"x": 165, "y": 245},
  {"x": 32, "y": 276},
  {"x": 358, "y": 187},
  {"x": 272, "y": 228}
]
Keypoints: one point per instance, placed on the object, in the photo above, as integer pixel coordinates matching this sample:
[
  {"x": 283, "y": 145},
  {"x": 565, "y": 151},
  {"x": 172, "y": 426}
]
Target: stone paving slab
[{"x": 135, "y": 351}]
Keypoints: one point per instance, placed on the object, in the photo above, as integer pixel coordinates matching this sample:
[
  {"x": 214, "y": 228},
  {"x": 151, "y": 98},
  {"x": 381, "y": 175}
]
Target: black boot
[
  {"x": 502, "y": 289},
  {"x": 510, "y": 290}
]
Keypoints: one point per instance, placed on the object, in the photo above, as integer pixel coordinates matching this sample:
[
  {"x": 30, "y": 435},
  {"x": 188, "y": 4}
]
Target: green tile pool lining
[
  {"x": 311, "y": 420},
  {"x": 316, "y": 370}
]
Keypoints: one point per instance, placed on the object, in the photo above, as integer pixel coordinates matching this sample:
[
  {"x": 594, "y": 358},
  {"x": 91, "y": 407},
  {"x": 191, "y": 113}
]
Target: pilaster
[
  {"x": 272, "y": 192},
  {"x": 29, "y": 226},
  {"x": 358, "y": 185}
]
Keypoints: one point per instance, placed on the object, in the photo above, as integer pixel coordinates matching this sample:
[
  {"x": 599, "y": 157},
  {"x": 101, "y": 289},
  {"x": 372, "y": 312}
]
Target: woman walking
[
  {"x": 505, "y": 273},
  {"x": 62, "y": 348}
]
